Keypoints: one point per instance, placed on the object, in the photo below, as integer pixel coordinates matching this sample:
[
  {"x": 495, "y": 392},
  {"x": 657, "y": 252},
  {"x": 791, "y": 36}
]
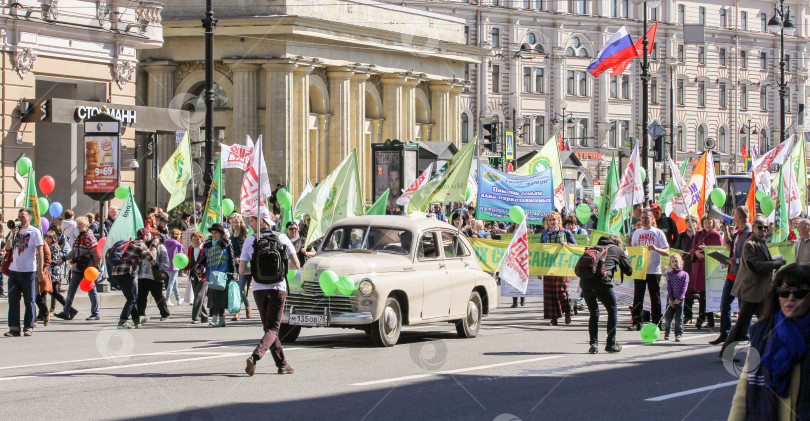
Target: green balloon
[
  {"x": 583, "y": 213},
  {"x": 122, "y": 192},
  {"x": 718, "y": 197},
  {"x": 43, "y": 204},
  {"x": 24, "y": 165},
  {"x": 345, "y": 285},
  {"x": 284, "y": 198},
  {"x": 766, "y": 204},
  {"x": 643, "y": 174},
  {"x": 328, "y": 282},
  {"x": 760, "y": 194},
  {"x": 516, "y": 214},
  {"x": 650, "y": 332},
  {"x": 180, "y": 261},
  {"x": 227, "y": 207}
]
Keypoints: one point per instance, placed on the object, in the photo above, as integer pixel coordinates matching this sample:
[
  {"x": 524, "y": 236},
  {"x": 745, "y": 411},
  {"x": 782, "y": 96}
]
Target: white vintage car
[{"x": 408, "y": 271}]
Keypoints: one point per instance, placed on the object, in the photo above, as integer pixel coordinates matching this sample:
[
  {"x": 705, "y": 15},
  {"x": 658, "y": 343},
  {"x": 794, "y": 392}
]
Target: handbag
[
  {"x": 234, "y": 298},
  {"x": 218, "y": 280}
]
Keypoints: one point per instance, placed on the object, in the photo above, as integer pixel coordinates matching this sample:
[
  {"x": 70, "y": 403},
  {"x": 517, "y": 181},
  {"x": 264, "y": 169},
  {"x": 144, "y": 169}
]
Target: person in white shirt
[
  {"x": 69, "y": 228},
  {"x": 269, "y": 298},
  {"x": 23, "y": 273},
  {"x": 655, "y": 241}
]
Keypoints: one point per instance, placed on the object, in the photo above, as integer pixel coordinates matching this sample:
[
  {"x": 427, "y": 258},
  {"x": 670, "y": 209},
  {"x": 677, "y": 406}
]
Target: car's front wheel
[
  {"x": 287, "y": 333},
  {"x": 385, "y": 331},
  {"x": 469, "y": 325}
]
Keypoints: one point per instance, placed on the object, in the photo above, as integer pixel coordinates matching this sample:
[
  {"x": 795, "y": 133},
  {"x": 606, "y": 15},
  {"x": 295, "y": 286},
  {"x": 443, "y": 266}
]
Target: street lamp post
[
  {"x": 209, "y": 23},
  {"x": 746, "y": 129},
  {"x": 781, "y": 24},
  {"x": 566, "y": 120}
]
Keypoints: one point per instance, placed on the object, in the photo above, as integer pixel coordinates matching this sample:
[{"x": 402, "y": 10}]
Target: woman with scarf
[
  {"x": 83, "y": 254},
  {"x": 555, "y": 288},
  {"x": 778, "y": 388},
  {"x": 707, "y": 236},
  {"x": 217, "y": 260}
]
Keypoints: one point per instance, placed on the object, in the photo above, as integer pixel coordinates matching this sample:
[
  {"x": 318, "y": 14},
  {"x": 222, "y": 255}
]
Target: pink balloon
[
  {"x": 100, "y": 246},
  {"x": 46, "y": 184}
]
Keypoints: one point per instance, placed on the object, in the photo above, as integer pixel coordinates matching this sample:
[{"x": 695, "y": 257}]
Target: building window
[
  {"x": 654, "y": 90},
  {"x": 722, "y": 56},
  {"x": 614, "y": 91},
  {"x": 763, "y": 60},
  {"x": 625, "y": 8},
  {"x": 787, "y": 99},
  {"x": 496, "y": 78},
  {"x": 572, "y": 83},
  {"x": 496, "y": 2},
  {"x": 743, "y": 59},
  {"x": 744, "y": 21},
  {"x": 613, "y": 141},
  {"x": 583, "y": 132},
  {"x": 578, "y": 6},
  {"x": 763, "y": 19},
  {"x": 722, "y": 95},
  {"x": 467, "y": 35},
  {"x": 576, "y": 49},
  {"x": 539, "y": 4},
  {"x": 763, "y": 142},
  {"x": 540, "y": 130},
  {"x": 614, "y": 4},
  {"x": 465, "y": 128},
  {"x": 680, "y": 53},
  {"x": 723, "y": 18},
  {"x": 702, "y": 55},
  {"x": 625, "y": 87},
  {"x": 654, "y": 14},
  {"x": 496, "y": 37},
  {"x": 527, "y": 79},
  {"x": 679, "y": 139},
  {"x": 625, "y": 130},
  {"x": 539, "y": 81},
  {"x": 701, "y": 15},
  {"x": 721, "y": 139},
  {"x": 763, "y": 98},
  {"x": 654, "y": 52},
  {"x": 679, "y": 91},
  {"x": 701, "y": 94},
  {"x": 681, "y": 14},
  {"x": 744, "y": 97},
  {"x": 532, "y": 38},
  {"x": 572, "y": 133},
  {"x": 527, "y": 4},
  {"x": 701, "y": 138},
  {"x": 525, "y": 134},
  {"x": 787, "y": 62}
]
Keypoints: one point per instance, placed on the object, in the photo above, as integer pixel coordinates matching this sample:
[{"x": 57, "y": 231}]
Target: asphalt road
[{"x": 517, "y": 368}]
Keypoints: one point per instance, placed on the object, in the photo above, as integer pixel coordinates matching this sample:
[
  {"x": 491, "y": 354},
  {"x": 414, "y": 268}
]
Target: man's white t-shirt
[
  {"x": 70, "y": 231},
  {"x": 643, "y": 237},
  {"x": 25, "y": 250},
  {"x": 247, "y": 253}
]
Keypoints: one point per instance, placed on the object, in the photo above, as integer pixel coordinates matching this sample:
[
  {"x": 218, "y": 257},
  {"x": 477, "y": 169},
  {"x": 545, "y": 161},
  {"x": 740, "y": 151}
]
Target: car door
[
  {"x": 462, "y": 278},
  {"x": 435, "y": 281}
]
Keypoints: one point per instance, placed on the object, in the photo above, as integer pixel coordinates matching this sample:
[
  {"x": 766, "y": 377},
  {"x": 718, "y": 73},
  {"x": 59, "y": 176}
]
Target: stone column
[
  {"x": 160, "y": 91},
  {"x": 340, "y": 128},
  {"x": 303, "y": 156},
  {"x": 455, "y": 115},
  {"x": 409, "y": 109},
  {"x": 359, "y": 140},
  {"x": 392, "y": 127},
  {"x": 440, "y": 108},
  {"x": 279, "y": 115},
  {"x": 245, "y": 102},
  {"x": 322, "y": 155},
  {"x": 558, "y": 81}
]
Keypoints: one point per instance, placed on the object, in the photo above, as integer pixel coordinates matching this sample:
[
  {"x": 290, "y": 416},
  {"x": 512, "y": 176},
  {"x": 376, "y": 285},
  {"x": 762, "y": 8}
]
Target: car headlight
[{"x": 365, "y": 287}]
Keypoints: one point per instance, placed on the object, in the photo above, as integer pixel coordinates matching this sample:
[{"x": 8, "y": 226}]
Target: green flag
[
  {"x": 669, "y": 191},
  {"x": 176, "y": 173},
  {"x": 126, "y": 224},
  {"x": 32, "y": 201},
  {"x": 781, "y": 222},
  {"x": 610, "y": 221},
  {"x": 378, "y": 208},
  {"x": 449, "y": 184},
  {"x": 337, "y": 197},
  {"x": 800, "y": 169},
  {"x": 212, "y": 212}
]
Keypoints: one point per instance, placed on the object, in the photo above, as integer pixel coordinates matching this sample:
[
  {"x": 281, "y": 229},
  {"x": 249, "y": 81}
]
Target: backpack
[
  {"x": 118, "y": 251},
  {"x": 268, "y": 264},
  {"x": 592, "y": 263}
]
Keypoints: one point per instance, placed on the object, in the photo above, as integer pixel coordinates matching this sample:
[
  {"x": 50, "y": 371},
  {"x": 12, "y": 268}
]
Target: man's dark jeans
[
  {"x": 22, "y": 285},
  {"x": 608, "y": 299},
  {"x": 725, "y": 308},
  {"x": 130, "y": 290},
  {"x": 653, "y": 283}
]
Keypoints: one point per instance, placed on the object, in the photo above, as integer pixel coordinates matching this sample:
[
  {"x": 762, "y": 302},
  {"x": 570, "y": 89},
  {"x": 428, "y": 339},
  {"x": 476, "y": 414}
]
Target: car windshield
[{"x": 365, "y": 238}]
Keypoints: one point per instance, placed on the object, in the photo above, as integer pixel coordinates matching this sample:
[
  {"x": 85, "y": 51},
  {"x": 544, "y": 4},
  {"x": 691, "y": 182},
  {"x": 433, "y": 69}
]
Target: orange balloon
[
  {"x": 91, "y": 273},
  {"x": 86, "y": 285}
]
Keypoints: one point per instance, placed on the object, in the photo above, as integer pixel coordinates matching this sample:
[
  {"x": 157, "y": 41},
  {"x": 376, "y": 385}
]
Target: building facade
[{"x": 724, "y": 88}]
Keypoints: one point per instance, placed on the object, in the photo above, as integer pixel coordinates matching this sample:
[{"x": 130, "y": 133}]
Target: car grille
[{"x": 313, "y": 301}]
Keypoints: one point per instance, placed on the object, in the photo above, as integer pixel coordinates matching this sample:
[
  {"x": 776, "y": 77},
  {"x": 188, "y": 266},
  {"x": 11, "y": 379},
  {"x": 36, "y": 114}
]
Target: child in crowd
[{"x": 677, "y": 282}]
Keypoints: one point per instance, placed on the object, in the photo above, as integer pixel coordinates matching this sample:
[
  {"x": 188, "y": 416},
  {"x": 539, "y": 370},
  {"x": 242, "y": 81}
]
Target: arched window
[
  {"x": 465, "y": 127},
  {"x": 221, "y": 99},
  {"x": 539, "y": 49},
  {"x": 576, "y": 49},
  {"x": 701, "y": 138},
  {"x": 532, "y": 38},
  {"x": 763, "y": 142},
  {"x": 570, "y": 52},
  {"x": 721, "y": 139}
]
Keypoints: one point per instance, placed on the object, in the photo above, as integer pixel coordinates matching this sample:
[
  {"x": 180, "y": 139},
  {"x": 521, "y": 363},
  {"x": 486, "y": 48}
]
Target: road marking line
[
  {"x": 691, "y": 391},
  {"x": 458, "y": 370}
]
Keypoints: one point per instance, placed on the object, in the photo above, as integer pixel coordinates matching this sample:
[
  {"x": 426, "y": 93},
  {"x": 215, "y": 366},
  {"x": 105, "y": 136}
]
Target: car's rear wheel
[
  {"x": 385, "y": 331},
  {"x": 287, "y": 333},
  {"x": 469, "y": 325}
]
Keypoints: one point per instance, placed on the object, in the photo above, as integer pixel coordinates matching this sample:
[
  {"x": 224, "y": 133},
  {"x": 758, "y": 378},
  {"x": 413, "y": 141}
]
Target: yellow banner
[{"x": 552, "y": 259}]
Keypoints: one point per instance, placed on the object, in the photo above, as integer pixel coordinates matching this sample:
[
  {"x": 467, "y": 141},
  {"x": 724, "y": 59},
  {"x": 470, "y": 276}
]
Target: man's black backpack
[
  {"x": 268, "y": 265},
  {"x": 592, "y": 263},
  {"x": 118, "y": 250}
]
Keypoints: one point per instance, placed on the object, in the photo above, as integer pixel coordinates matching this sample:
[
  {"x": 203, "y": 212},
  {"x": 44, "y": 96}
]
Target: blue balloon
[{"x": 55, "y": 210}]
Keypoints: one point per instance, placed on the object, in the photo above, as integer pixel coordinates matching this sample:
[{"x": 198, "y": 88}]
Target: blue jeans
[
  {"x": 22, "y": 284},
  {"x": 677, "y": 313},
  {"x": 173, "y": 286},
  {"x": 130, "y": 289},
  {"x": 243, "y": 286},
  {"x": 73, "y": 286},
  {"x": 725, "y": 308},
  {"x": 608, "y": 299}
]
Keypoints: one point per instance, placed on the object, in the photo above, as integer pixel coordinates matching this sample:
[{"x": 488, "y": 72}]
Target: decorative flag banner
[
  {"x": 378, "y": 208},
  {"x": 472, "y": 189},
  {"x": 126, "y": 224},
  {"x": 449, "y": 184},
  {"x": 212, "y": 212},
  {"x": 514, "y": 268},
  {"x": 631, "y": 188},
  {"x": 617, "y": 50},
  {"x": 775, "y": 156},
  {"x": 420, "y": 181},
  {"x": 639, "y": 46},
  {"x": 499, "y": 191},
  {"x": 800, "y": 166},
  {"x": 237, "y": 156},
  {"x": 547, "y": 157},
  {"x": 695, "y": 194},
  {"x": 337, "y": 197},
  {"x": 610, "y": 221},
  {"x": 176, "y": 172},
  {"x": 781, "y": 222},
  {"x": 255, "y": 183},
  {"x": 307, "y": 189},
  {"x": 32, "y": 201},
  {"x": 793, "y": 201}
]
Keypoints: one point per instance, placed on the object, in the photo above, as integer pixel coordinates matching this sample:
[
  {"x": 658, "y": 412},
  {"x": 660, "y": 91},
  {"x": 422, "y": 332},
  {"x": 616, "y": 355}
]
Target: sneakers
[
  {"x": 93, "y": 318},
  {"x": 613, "y": 348},
  {"x": 678, "y": 339},
  {"x": 28, "y": 332},
  {"x": 214, "y": 321},
  {"x": 169, "y": 303},
  {"x": 221, "y": 321},
  {"x": 594, "y": 349},
  {"x": 666, "y": 336},
  {"x": 11, "y": 333},
  {"x": 250, "y": 368},
  {"x": 163, "y": 319},
  {"x": 634, "y": 326},
  {"x": 141, "y": 320},
  {"x": 286, "y": 369},
  {"x": 125, "y": 325},
  {"x": 138, "y": 325}
]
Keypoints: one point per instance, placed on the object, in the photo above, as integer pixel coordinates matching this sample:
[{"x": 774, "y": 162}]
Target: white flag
[
  {"x": 676, "y": 204},
  {"x": 256, "y": 182},
  {"x": 631, "y": 188},
  {"x": 775, "y": 156},
  {"x": 514, "y": 267},
  {"x": 711, "y": 177},
  {"x": 237, "y": 156},
  {"x": 301, "y": 197},
  {"x": 792, "y": 198},
  {"x": 472, "y": 185},
  {"x": 419, "y": 182}
]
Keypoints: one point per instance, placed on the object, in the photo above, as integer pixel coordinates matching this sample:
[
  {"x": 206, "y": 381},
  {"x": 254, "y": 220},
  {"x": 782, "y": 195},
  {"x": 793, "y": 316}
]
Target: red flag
[
  {"x": 619, "y": 68},
  {"x": 744, "y": 152}
]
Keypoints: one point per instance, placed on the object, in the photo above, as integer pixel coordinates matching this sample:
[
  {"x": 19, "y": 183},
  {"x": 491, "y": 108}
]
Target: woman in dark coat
[
  {"x": 708, "y": 236},
  {"x": 555, "y": 288},
  {"x": 217, "y": 256}
]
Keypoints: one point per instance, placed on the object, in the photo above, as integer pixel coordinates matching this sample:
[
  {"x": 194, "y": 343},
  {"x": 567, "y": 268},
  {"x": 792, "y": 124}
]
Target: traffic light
[
  {"x": 491, "y": 139},
  {"x": 658, "y": 149}
]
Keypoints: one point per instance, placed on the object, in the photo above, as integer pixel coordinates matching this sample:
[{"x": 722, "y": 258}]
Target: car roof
[{"x": 411, "y": 223}]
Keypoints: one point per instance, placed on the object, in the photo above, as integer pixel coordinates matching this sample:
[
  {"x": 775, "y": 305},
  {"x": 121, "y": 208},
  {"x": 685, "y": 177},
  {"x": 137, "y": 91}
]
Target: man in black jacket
[
  {"x": 601, "y": 288},
  {"x": 665, "y": 224}
]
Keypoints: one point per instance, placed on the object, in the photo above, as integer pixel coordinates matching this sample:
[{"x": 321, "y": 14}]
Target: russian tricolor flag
[{"x": 618, "y": 50}]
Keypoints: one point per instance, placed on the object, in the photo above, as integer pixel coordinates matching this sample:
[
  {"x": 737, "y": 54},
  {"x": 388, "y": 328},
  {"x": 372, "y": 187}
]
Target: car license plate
[{"x": 308, "y": 319}]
